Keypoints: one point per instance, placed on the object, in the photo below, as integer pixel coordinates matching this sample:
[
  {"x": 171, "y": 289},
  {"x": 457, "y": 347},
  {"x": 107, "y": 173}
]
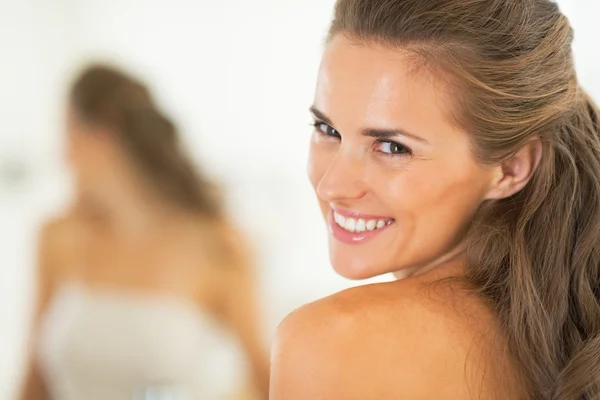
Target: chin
[{"x": 355, "y": 268}]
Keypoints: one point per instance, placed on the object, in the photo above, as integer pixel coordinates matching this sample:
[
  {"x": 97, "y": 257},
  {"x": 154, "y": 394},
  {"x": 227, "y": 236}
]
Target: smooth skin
[
  {"x": 121, "y": 236},
  {"x": 384, "y": 145}
]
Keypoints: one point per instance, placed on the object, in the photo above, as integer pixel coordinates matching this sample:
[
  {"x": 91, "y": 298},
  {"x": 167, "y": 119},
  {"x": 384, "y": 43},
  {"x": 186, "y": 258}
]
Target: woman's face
[
  {"x": 90, "y": 152},
  {"x": 396, "y": 180}
]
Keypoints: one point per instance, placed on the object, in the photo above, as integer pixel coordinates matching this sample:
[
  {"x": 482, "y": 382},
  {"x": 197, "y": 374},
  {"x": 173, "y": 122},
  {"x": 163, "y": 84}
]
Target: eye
[
  {"x": 390, "y": 148},
  {"x": 326, "y": 129}
]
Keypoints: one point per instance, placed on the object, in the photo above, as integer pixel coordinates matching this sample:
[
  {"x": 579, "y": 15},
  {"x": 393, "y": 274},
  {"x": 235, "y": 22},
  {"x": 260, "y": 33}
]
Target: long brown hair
[
  {"x": 107, "y": 97},
  {"x": 536, "y": 255}
]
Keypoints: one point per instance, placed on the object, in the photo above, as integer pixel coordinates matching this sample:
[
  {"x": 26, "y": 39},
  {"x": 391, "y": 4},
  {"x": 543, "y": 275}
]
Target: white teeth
[
  {"x": 361, "y": 226},
  {"x": 339, "y": 219},
  {"x": 371, "y": 225},
  {"x": 350, "y": 224}
]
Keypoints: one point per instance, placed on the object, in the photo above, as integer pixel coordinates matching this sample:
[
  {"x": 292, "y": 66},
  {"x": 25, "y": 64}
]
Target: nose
[{"x": 343, "y": 179}]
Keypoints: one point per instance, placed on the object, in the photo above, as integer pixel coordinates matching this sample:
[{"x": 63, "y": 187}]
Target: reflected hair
[{"x": 107, "y": 97}]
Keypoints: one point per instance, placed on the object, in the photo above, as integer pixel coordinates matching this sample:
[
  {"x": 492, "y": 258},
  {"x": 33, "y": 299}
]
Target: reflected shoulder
[
  {"x": 56, "y": 239},
  {"x": 53, "y": 232}
]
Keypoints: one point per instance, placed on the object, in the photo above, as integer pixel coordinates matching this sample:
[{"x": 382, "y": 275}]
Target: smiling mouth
[{"x": 355, "y": 224}]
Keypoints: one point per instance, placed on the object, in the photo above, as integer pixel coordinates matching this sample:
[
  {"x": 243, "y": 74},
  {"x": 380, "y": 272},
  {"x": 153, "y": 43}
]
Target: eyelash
[
  {"x": 405, "y": 150},
  {"x": 317, "y": 124}
]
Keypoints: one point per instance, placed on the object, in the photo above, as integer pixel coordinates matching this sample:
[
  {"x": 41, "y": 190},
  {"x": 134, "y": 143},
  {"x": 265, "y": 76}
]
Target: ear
[{"x": 515, "y": 172}]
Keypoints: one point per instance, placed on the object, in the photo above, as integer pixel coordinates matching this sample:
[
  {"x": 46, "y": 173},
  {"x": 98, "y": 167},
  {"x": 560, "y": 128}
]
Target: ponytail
[{"x": 536, "y": 256}]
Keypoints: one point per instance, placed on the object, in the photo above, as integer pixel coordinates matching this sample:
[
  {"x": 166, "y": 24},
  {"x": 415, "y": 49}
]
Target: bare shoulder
[
  {"x": 60, "y": 228},
  {"x": 394, "y": 340},
  {"x": 56, "y": 227},
  {"x": 55, "y": 244},
  {"x": 57, "y": 239}
]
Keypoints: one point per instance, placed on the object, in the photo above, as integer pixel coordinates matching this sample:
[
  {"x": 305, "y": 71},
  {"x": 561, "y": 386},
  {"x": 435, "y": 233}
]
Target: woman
[
  {"x": 135, "y": 276},
  {"x": 454, "y": 147}
]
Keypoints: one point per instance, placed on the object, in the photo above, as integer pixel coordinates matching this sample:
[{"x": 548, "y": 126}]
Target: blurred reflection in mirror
[{"x": 141, "y": 280}]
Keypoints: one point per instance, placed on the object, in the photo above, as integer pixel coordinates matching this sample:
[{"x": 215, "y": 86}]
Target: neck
[
  {"x": 455, "y": 253},
  {"x": 127, "y": 207}
]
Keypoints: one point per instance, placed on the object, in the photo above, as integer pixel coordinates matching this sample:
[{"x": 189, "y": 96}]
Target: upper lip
[{"x": 356, "y": 214}]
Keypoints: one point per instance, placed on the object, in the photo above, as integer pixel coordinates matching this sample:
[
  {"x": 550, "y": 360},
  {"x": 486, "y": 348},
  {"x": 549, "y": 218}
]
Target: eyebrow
[{"x": 372, "y": 132}]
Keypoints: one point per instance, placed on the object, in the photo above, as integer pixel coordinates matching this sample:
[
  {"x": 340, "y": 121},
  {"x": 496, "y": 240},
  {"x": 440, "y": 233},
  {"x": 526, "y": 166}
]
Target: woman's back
[
  {"x": 106, "y": 343},
  {"x": 174, "y": 254},
  {"x": 109, "y": 330}
]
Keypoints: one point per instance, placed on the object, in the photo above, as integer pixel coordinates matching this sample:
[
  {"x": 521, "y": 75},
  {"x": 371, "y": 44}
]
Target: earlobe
[{"x": 513, "y": 174}]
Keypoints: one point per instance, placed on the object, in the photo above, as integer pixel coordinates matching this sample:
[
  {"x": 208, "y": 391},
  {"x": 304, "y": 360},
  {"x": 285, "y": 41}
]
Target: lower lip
[{"x": 353, "y": 238}]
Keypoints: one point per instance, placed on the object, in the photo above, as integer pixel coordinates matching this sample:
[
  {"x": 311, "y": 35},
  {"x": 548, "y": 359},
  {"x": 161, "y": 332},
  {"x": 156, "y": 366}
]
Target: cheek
[
  {"x": 440, "y": 199},
  {"x": 70, "y": 142},
  {"x": 430, "y": 196},
  {"x": 73, "y": 151},
  {"x": 79, "y": 149},
  {"x": 84, "y": 154},
  {"x": 69, "y": 151}
]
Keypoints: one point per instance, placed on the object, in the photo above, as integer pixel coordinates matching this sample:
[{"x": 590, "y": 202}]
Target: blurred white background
[{"x": 237, "y": 76}]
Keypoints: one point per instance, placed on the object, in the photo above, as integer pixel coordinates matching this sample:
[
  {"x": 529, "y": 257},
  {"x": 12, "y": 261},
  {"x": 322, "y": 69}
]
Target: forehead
[{"x": 376, "y": 86}]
